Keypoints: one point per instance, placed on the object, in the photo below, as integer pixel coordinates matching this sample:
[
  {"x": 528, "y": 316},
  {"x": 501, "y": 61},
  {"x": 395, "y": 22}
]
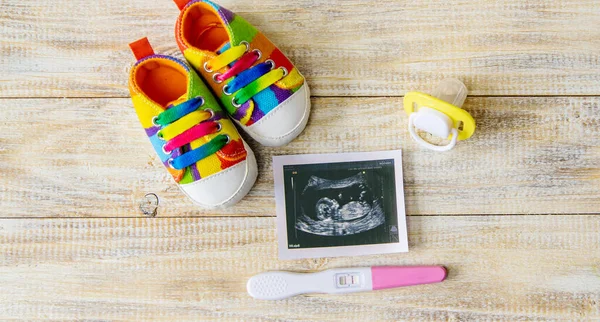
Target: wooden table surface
[{"x": 513, "y": 213}]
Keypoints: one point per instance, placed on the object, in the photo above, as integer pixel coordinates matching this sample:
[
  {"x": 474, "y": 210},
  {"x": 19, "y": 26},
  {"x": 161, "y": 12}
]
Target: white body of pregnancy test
[{"x": 279, "y": 285}]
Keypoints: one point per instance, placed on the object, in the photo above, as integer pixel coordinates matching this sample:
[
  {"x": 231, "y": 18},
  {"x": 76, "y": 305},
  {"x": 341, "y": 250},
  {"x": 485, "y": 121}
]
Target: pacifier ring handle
[{"x": 425, "y": 144}]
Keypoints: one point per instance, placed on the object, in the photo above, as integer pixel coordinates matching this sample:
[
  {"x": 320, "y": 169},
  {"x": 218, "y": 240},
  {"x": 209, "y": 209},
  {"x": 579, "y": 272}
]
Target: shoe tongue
[
  {"x": 180, "y": 100},
  {"x": 226, "y": 45}
]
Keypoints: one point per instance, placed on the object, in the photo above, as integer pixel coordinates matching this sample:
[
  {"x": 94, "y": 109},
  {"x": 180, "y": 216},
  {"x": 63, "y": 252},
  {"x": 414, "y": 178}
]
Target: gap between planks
[
  {"x": 241, "y": 216},
  {"x": 321, "y": 96}
]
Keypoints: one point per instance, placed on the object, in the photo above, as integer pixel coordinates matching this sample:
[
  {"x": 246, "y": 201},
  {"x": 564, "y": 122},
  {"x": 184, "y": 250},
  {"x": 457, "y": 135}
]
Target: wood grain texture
[
  {"x": 71, "y": 147},
  {"x": 500, "y": 268},
  {"x": 90, "y": 157},
  {"x": 345, "y": 47}
]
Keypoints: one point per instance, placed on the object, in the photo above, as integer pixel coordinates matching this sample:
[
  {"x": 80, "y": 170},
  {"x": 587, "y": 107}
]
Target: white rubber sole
[{"x": 247, "y": 184}]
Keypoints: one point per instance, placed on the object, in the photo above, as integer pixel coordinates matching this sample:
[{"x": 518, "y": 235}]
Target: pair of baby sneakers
[{"x": 236, "y": 76}]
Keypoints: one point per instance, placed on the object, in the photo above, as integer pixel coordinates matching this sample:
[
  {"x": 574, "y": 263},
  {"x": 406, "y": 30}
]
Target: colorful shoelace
[
  {"x": 248, "y": 80},
  {"x": 184, "y": 123}
]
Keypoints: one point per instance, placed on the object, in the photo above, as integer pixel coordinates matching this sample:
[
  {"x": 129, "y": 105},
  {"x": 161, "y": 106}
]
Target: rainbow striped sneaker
[
  {"x": 198, "y": 144},
  {"x": 258, "y": 86}
]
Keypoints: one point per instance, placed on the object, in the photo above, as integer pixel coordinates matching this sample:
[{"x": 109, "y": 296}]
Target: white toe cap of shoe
[
  {"x": 285, "y": 122},
  {"x": 224, "y": 188}
]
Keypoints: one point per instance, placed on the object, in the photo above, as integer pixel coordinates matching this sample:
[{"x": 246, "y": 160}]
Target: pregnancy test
[{"x": 279, "y": 285}]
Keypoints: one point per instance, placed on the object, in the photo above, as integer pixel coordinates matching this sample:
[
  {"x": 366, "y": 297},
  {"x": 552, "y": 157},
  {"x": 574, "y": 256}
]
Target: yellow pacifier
[{"x": 440, "y": 114}]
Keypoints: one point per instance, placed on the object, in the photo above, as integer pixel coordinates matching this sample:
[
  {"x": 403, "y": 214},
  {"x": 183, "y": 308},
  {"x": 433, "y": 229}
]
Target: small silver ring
[
  {"x": 150, "y": 207},
  {"x": 203, "y": 101},
  {"x": 215, "y": 75},
  {"x": 154, "y": 121},
  {"x": 170, "y": 163},
  {"x": 285, "y": 71},
  {"x": 206, "y": 67},
  {"x": 228, "y": 138},
  {"x": 270, "y": 61},
  {"x": 219, "y": 126},
  {"x": 225, "y": 90},
  {"x": 258, "y": 52}
]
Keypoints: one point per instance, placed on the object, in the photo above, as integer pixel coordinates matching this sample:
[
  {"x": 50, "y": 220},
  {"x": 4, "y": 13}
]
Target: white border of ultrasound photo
[{"x": 285, "y": 253}]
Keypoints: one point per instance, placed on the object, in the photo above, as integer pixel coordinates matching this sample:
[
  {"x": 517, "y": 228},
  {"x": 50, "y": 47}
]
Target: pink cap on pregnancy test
[
  {"x": 397, "y": 276},
  {"x": 280, "y": 285}
]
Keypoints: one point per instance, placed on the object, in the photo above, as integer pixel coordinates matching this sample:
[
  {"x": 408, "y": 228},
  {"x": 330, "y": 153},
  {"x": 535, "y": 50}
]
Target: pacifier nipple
[
  {"x": 440, "y": 114},
  {"x": 452, "y": 91}
]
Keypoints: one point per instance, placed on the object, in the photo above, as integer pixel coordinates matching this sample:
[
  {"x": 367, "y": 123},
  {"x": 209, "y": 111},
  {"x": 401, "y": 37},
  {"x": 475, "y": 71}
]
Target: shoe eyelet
[
  {"x": 225, "y": 90},
  {"x": 202, "y": 102},
  {"x": 154, "y": 119},
  {"x": 270, "y": 61},
  {"x": 215, "y": 75},
  {"x": 212, "y": 113},
  {"x": 208, "y": 70},
  {"x": 258, "y": 52},
  {"x": 165, "y": 151},
  {"x": 228, "y": 139},
  {"x": 235, "y": 103},
  {"x": 219, "y": 126},
  {"x": 245, "y": 43},
  {"x": 285, "y": 71},
  {"x": 170, "y": 163}
]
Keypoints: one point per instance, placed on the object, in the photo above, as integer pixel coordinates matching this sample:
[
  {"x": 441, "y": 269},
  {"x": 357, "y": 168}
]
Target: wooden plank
[
  {"x": 89, "y": 157},
  {"x": 345, "y": 47},
  {"x": 500, "y": 268}
]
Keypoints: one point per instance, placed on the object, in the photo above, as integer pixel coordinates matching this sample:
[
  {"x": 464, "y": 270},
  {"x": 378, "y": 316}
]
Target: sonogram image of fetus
[{"x": 339, "y": 207}]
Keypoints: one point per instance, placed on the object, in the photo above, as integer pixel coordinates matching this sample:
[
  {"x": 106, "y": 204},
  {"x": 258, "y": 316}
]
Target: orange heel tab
[
  {"x": 141, "y": 48},
  {"x": 181, "y": 3}
]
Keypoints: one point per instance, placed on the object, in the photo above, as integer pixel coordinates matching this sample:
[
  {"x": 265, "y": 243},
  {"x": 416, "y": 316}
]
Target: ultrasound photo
[
  {"x": 341, "y": 204},
  {"x": 344, "y": 204}
]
